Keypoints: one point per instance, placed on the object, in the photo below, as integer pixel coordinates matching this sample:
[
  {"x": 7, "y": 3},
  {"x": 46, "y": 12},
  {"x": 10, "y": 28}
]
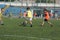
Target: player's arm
[{"x": 26, "y": 14}]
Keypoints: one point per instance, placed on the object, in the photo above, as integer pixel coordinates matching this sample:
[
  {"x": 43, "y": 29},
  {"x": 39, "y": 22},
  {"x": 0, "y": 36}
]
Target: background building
[
  {"x": 57, "y": 1},
  {"x": 27, "y": 1},
  {"x": 33, "y": 1},
  {"x": 36, "y": 5}
]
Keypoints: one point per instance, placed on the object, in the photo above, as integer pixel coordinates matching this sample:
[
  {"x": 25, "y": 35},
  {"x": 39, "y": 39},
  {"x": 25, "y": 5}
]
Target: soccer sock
[
  {"x": 50, "y": 24},
  {"x": 26, "y": 22},
  {"x": 1, "y": 22},
  {"x": 42, "y": 24},
  {"x": 30, "y": 25}
]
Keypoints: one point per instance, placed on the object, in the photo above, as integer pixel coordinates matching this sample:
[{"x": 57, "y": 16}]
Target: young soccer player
[
  {"x": 28, "y": 18},
  {"x": 25, "y": 14},
  {"x": 1, "y": 11},
  {"x": 46, "y": 18},
  {"x": 20, "y": 15}
]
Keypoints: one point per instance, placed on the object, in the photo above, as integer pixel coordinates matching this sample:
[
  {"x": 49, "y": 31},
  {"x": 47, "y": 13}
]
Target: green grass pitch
[{"x": 12, "y": 31}]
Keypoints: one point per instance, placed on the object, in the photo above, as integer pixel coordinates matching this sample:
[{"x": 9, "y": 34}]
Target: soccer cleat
[
  {"x": 2, "y": 24},
  {"x": 30, "y": 25},
  {"x": 51, "y": 25}
]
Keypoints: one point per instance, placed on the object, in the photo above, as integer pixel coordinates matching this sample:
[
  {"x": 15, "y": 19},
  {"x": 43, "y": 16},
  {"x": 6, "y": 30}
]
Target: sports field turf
[{"x": 12, "y": 31}]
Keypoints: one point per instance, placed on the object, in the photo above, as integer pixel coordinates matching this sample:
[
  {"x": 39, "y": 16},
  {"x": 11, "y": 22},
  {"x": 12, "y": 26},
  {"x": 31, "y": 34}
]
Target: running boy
[
  {"x": 46, "y": 17},
  {"x": 28, "y": 18}
]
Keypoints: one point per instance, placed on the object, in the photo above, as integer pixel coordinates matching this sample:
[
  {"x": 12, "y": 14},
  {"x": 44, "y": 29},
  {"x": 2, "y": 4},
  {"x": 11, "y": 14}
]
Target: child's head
[
  {"x": 28, "y": 8},
  {"x": 45, "y": 10},
  {"x": 2, "y": 9}
]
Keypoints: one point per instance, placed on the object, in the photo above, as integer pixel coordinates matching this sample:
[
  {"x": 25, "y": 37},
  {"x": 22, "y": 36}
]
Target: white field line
[{"x": 24, "y": 37}]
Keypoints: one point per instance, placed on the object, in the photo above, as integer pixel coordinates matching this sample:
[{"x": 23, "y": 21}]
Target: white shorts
[{"x": 29, "y": 19}]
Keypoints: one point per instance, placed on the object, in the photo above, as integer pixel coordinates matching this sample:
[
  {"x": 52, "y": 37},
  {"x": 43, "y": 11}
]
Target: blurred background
[{"x": 15, "y": 7}]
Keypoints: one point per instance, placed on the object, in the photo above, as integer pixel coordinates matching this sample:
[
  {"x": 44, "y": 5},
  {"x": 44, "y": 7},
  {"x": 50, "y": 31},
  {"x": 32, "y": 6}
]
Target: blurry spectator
[
  {"x": 51, "y": 13},
  {"x": 25, "y": 14},
  {"x": 20, "y": 15},
  {"x": 35, "y": 15},
  {"x": 56, "y": 16},
  {"x": 10, "y": 15}
]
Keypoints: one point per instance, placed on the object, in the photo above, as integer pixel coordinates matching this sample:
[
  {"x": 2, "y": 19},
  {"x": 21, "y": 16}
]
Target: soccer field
[{"x": 12, "y": 31}]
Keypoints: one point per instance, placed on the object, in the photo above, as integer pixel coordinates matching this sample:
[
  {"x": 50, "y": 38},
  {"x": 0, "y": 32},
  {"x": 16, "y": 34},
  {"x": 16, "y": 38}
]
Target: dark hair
[
  {"x": 2, "y": 8},
  {"x": 45, "y": 9},
  {"x": 28, "y": 8}
]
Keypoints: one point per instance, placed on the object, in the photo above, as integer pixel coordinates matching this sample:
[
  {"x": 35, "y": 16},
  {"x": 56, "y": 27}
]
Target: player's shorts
[
  {"x": 45, "y": 19},
  {"x": 28, "y": 19}
]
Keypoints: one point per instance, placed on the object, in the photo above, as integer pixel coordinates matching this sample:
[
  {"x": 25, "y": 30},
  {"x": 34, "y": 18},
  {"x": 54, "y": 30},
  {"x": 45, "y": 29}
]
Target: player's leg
[
  {"x": 1, "y": 22},
  {"x": 30, "y": 21},
  {"x": 24, "y": 23},
  {"x": 49, "y": 23},
  {"x": 43, "y": 22},
  {"x": 26, "y": 20}
]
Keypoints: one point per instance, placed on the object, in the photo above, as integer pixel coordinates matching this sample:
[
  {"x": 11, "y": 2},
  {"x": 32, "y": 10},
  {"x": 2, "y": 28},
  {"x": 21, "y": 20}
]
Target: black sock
[
  {"x": 2, "y": 23},
  {"x": 30, "y": 25}
]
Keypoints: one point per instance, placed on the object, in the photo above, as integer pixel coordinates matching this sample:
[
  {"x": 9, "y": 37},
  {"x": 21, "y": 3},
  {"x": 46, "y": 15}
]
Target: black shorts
[{"x": 45, "y": 19}]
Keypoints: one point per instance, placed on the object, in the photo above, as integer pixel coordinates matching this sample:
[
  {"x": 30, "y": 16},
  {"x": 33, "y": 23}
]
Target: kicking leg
[
  {"x": 42, "y": 23},
  {"x": 50, "y": 23},
  {"x": 30, "y": 21}
]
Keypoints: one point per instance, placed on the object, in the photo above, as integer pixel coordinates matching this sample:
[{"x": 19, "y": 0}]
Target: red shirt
[
  {"x": 24, "y": 14},
  {"x": 46, "y": 15}
]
